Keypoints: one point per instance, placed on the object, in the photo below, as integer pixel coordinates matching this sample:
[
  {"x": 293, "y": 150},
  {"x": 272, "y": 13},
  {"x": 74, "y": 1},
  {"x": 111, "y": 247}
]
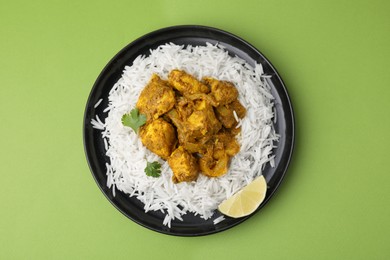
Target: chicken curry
[{"x": 190, "y": 123}]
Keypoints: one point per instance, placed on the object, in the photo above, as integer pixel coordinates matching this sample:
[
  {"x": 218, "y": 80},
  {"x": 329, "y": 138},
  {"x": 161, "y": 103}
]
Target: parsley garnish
[
  {"x": 134, "y": 119},
  {"x": 153, "y": 169}
]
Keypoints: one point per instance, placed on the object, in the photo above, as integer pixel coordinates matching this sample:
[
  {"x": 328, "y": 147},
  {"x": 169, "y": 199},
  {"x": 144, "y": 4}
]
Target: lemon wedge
[{"x": 245, "y": 201}]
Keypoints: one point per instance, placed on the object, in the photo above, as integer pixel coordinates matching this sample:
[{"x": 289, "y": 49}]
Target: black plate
[{"x": 193, "y": 35}]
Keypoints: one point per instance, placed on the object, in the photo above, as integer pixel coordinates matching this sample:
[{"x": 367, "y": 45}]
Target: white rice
[
  {"x": 128, "y": 156},
  {"x": 218, "y": 220},
  {"x": 98, "y": 103},
  {"x": 235, "y": 116}
]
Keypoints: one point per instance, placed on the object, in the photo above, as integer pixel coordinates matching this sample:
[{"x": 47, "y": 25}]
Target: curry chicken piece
[
  {"x": 230, "y": 144},
  {"x": 184, "y": 107},
  {"x": 156, "y": 98},
  {"x": 186, "y": 83},
  {"x": 203, "y": 122},
  {"x": 184, "y": 165},
  {"x": 214, "y": 163},
  {"x": 159, "y": 137},
  {"x": 185, "y": 137},
  {"x": 225, "y": 113},
  {"x": 224, "y": 92},
  {"x": 196, "y": 123}
]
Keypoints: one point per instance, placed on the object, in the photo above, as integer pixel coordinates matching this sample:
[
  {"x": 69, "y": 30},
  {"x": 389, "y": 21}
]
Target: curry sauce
[{"x": 190, "y": 123}]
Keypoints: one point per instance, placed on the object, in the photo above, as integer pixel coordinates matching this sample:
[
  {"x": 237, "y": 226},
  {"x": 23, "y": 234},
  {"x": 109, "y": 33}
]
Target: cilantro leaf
[
  {"x": 153, "y": 169},
  {"x": 134, "y": 119}
]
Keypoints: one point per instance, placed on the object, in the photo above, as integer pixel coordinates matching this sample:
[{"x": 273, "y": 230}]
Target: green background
[{"x": 334, "y": 58}]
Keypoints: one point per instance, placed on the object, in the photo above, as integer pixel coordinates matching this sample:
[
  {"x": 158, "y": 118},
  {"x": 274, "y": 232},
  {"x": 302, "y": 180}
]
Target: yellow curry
[{"x": 191, "y": 124}]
